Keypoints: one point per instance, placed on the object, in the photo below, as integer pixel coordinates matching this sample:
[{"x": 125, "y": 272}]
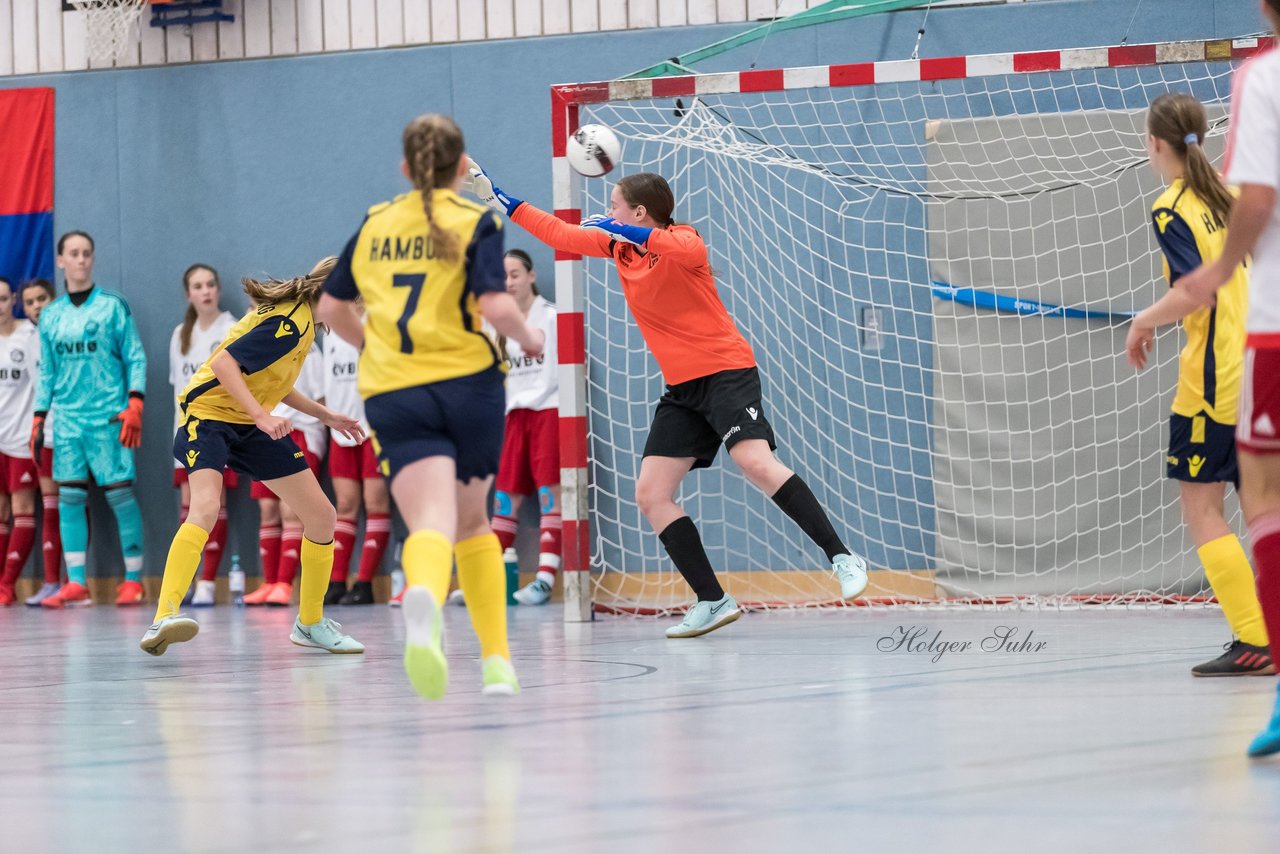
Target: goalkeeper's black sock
[
  {"x": 798, "y": 501},
  {"x": 684, "y": 546}
]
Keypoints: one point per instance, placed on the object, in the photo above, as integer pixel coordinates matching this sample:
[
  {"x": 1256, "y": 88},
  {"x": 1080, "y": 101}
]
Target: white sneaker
[
  {"x": 706, "y": 617},
  {"x": 176, "y": 628},
  {"x": 537, "y": 592},
  {"x": 46, "y": 590},
  {"x": 456, "y": 598},
  {"x": 204, "y": 594},
  {"x": 851, "y": 570}
]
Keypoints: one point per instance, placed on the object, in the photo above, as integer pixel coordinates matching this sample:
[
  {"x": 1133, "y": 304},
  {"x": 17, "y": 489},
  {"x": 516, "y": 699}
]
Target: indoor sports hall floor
[{"x": 783, "y": 732}]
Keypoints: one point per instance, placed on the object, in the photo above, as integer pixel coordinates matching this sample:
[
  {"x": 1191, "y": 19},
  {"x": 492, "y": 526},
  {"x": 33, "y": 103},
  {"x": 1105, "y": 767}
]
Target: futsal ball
[{"x": 593, "y": 150}]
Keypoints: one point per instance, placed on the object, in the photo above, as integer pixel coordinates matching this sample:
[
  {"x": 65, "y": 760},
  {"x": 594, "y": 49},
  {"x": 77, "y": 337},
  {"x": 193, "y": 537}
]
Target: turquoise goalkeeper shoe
[
  {"x": 176, "y": 628},
  {"x": 851, "y": 570},
  {"x": 499, "y": 677},
  {"x": 327, "y": 635},
  {"x": 706, "y": 617},
  {"x": 1267, "y": 742},
  {"x": 424, "y": 661}
]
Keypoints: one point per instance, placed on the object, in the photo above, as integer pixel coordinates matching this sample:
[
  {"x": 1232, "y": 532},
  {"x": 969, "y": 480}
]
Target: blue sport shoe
[
  {"x": 851, "y": 570},
  {"x": 326, "y": 635},
  {"x": 1267, "y": 742},
  {"x": 706, "y": 617},
  {"x": 424, "y": 661}
]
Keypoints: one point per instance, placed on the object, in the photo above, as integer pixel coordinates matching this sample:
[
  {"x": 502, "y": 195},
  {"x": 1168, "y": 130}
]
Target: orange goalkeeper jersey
[{"x": 668, "y": 287}]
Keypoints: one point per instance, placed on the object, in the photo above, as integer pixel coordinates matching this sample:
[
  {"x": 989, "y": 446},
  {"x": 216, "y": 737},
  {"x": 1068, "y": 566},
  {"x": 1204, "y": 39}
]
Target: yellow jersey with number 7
[{"x": 423, "y": 321}]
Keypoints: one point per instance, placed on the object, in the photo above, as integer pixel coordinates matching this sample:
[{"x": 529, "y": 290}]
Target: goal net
[{"x": 935, "y": 275}]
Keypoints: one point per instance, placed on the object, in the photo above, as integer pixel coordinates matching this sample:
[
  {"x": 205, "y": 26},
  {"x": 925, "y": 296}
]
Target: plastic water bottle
[
  {"x": 397, "y": 574},
  {"x": 236, "y": 580},
  {"x": 512, "y": 563}
]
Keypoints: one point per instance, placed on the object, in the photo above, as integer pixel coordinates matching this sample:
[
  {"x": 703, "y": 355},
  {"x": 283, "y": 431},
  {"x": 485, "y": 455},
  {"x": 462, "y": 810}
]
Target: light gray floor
[{"x": 783, "y": 732}]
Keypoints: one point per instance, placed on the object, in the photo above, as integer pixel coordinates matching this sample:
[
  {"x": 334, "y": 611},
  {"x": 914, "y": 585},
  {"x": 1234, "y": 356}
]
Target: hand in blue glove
[
  {"x": 637, "y": 235},
  {"x": 483, "y": 188}
]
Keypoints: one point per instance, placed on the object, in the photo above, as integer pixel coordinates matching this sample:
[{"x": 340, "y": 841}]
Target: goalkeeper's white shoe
[{"x": 851, "y": 570}]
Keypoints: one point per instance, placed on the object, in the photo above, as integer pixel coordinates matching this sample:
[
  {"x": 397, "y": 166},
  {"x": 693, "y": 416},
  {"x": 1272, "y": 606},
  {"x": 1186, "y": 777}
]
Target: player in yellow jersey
[
  {"x": 1188, "y": 219},
  {"x": 227, "y": 421},
  {"x": 429, "y": 266}
]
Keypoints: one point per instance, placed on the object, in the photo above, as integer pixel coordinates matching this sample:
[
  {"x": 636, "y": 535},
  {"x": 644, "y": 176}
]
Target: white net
[
  {"x": 980, "y": 453},
  {"x": 111, "y": 28}
]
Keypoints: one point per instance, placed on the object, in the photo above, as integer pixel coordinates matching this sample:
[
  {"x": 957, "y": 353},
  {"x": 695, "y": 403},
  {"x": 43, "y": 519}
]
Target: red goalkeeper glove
[
  {"x": 36, "y": 442},
  {"x": 131, "y": 423}
]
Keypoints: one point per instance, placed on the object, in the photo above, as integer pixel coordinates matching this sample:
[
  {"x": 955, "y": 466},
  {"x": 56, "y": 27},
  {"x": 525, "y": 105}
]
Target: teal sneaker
[
  {"x": 327, "y": 635},
  {"x": 1267, "y": 742},
  {"x": 706, "y": 617},
  {"x": 499, "y": 677},
  {"x": 851, "y": 570},
  {"x": 537, "y": 592},
  {"x": 424, "y": 661},
  {"x": 177, "y": 628}
]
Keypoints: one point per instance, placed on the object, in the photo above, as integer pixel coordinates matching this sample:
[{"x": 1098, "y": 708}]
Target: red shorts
[
  {"x": 358, "y": 462},
  {"x": 259, "y": 491},
  {"x": 230, "y": 478},
  {"x": 530, "y": 451},
  {"x": 17, "y": 474},
  {"x": 45, "y": 467}
]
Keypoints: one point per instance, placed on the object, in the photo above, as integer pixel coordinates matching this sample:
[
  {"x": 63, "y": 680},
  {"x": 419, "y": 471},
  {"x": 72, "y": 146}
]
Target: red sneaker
[
  {"x": 73, "y": 594},
  {"x": 280, "y": 595},
  {"x": 129, "y": 593},
  {"x": 7, "y": 596},
  {"x": 259, "y": 596}
]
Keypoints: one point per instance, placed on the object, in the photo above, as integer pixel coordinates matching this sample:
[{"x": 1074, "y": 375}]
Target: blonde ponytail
[{"x": 433, "y": 146}]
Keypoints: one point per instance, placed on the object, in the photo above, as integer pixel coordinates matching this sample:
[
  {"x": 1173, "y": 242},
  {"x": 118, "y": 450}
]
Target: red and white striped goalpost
[{"x": 570, "y": 296}]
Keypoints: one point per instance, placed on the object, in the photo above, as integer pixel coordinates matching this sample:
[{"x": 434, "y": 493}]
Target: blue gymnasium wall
[{"x": 265, "y": 165}]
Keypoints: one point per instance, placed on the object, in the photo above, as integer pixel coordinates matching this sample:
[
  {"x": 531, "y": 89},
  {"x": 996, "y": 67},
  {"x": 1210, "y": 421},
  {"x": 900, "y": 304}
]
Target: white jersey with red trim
[
  {"x": 19, "y": 361},
  {"x": 341, "y": 362},
  {"x": 1253, "y": 157},
  {"x": 534, "y": 383},
  {"x": 183, "y": 366},
  {"x": 310, "y": 384}
]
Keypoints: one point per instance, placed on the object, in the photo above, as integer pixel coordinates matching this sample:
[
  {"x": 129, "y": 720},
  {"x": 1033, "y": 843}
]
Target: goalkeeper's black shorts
[{"x": 695, "y": 418}]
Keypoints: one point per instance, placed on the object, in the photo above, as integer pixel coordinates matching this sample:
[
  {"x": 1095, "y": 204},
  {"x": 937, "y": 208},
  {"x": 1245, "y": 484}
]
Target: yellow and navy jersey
[
  {"x": 423, "y": 321},
  {"x": 270, "y": 344},
  {"x": 1211, "y": 364}
]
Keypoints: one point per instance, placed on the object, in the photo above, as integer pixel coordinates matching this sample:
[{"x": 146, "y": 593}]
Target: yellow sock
[
  {"x": 180, "y": 567},
  {"x": 428, "y": 562},
  {"x": 484, "y": 584},
  {"x": 1231, "y": 577},
  {"x": 317, "y": 564}
]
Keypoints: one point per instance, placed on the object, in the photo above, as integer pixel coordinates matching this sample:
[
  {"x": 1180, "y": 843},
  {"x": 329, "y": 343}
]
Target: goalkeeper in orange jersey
[
  {"x": 1189, "y": 219},
  {"x": 713, "y": 395}
]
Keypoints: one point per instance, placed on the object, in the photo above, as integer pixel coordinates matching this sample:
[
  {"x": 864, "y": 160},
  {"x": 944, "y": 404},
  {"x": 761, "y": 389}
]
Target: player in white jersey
[
  {"x": 19, "y": 354},
  {"x": 1253, "y": 164},
  {"x": 192, "y": 342},
  {"x": 36, "y": 294},
  {"x": 280, "y": 529},
  {"x": 531, "y": 443},
  {"x": 353, "y": 468}
]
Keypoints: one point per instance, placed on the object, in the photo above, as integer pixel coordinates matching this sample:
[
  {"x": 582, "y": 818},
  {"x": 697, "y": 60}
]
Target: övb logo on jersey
[
  {"x": 191, "y": 458},
  {"x": 286, "y": 328}
]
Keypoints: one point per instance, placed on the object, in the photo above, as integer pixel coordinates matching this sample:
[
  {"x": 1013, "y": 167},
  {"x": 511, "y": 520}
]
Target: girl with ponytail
[
  {"x": 201, "y": 331},
  {"x": 1190, "y": 222}
]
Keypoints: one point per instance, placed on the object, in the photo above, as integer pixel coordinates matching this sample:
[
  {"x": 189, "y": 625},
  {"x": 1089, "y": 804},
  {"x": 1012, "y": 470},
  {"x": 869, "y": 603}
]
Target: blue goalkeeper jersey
[{"x": 91, "y": 358}]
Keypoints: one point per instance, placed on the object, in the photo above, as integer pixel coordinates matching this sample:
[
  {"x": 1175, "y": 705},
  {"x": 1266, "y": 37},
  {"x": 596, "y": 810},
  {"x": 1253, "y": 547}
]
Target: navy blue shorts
[
  {"x": 461, "y": 418},
  {"x": 1201, "y": 450},
  {"x": 243, "y": 447}
]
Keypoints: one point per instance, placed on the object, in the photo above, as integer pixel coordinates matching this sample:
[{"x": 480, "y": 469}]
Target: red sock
[
  {"x": 4, "y": 547},
  {"x": 344, "y": 540},
  {"x": 1264, "y": 533},
  {"x": 269, "y": 553},
  {"x": 215, "y": 546},
  {"x": 506, "y": 528},
  {"x": 51, "y": 541},
  {"x": 290, "y": 553},
  {"x": 20, "y": 542},
  {"x": 377, "y": 531},
  {"x": 549, "y": 539}
]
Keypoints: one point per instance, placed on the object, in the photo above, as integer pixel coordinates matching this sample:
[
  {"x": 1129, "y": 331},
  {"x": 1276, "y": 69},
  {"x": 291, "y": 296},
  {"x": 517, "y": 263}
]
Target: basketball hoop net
[{"x": 109, "y": 27}]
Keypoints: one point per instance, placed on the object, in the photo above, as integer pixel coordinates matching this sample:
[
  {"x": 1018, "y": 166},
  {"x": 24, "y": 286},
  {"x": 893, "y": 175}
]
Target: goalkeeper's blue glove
[
  {"x": 483, "y": 188},
  {"x": 634, "y": 234}
]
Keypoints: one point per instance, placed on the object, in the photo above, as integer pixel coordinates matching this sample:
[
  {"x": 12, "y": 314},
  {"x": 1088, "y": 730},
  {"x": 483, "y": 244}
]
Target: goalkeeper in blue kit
[{"x": 92, "y": 376}]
